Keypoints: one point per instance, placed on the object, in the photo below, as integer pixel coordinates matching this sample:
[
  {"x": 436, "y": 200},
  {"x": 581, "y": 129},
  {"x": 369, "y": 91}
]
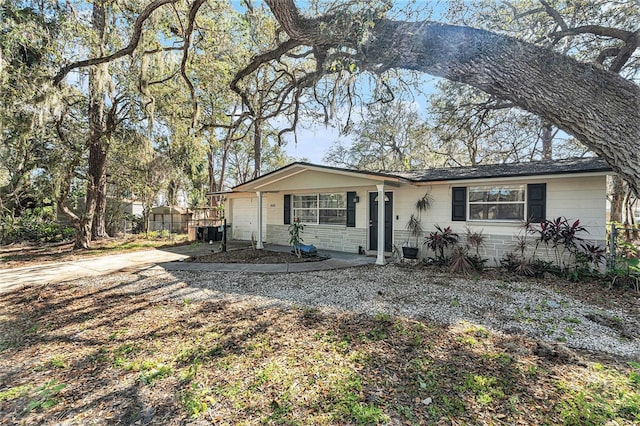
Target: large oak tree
[{"x": 597, "y": 106}]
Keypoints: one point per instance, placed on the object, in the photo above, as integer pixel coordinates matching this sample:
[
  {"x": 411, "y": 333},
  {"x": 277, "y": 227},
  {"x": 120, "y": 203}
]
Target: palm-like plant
[
  {"x": 414, "y": 224},
  {"x": 441, "y": 239}
]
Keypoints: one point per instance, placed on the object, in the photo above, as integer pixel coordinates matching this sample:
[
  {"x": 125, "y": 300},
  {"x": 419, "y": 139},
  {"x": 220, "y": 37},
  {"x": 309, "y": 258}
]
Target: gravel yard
[
  {"x": 364, "y": 345},
  {"x": 535, "y": 309}
]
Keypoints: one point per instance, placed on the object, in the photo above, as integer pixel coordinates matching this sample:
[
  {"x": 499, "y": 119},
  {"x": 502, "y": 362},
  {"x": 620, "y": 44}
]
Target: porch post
[
  {"x": 259, "y": 242},
  {"x": 381, "y": 219}
]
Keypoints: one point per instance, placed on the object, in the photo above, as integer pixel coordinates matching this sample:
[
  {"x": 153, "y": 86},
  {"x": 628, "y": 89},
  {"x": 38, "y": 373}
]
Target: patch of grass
[
  {"x": 160, "y": 372},
  {"x": 45, "y": 396},
  {"x": 477, "y": 331},
  {"x": 195, "y": 399},
  {"x": 127, "y": 349},
  {"x": 347, "y": 404},
  {"x": 15, "y": 392},
  {"x": 57, "y": 362},
  {"x": 486, "y": 388},
  {"x": 572, "y": 320},
  {"x": 601, "y": 397},
  {"x": 116, "y": 334}
]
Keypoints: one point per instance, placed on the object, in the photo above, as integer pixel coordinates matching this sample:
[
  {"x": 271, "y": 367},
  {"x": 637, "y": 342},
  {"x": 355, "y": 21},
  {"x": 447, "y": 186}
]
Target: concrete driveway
[{"x": 46, "y": 273}]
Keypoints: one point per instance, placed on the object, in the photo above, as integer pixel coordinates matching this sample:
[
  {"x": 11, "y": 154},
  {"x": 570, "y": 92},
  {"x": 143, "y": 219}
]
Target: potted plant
[{"x": 415, "y": 228}]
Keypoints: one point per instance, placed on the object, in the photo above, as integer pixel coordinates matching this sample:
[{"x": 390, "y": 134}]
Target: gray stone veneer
[
  {"x": 338, "y": 238},
  {"x": 495, "y": 246},
  {"x": 349, "y": 239}
]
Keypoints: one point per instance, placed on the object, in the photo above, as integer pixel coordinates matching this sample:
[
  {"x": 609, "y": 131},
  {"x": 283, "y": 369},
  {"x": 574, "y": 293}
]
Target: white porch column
[
  {"x": 381, "y": 209},
  {"x": 259, "y": 241}
]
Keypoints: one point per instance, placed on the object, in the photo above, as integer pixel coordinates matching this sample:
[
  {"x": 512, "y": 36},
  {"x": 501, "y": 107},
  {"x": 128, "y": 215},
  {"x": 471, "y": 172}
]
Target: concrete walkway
[{"x": 168, "y": 259}]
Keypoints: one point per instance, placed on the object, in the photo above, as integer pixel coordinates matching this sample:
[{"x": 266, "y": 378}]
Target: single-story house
[{"x": 341, "y": 208}]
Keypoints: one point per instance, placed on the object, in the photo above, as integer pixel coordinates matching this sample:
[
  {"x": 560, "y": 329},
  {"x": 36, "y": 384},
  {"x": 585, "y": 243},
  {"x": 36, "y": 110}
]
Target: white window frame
[
  {"x": 317, "y": 208},
  {"x": 518, "y": 186}
]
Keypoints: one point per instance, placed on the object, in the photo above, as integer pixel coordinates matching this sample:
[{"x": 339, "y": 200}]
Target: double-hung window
[
  {"x": 500, "y": 202},
  {"x": 324, "y": 209}
]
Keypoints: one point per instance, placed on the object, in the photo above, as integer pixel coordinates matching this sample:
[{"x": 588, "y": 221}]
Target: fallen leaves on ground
[{"x": 118, "y": 352}]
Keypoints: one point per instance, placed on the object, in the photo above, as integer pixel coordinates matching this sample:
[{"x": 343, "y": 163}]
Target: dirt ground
[
  {"x": 121, "y": 350},
  {"x": 20, "y": 255},
  {"x": 25, "y": 254}
]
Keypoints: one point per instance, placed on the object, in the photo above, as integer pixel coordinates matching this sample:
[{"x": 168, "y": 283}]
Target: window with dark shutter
[
  {"x": 351, "y": 209},
  {"x": 287, "y": 209},
  {"x": 537, "y": 202},
  {"x": 459, "y": 203}
]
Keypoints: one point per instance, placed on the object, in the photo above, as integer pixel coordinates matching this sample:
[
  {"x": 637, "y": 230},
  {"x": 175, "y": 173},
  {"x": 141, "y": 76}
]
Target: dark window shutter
[
  {"x": 287, "y": 209},
  {"x": 537, "y": 202},
  {"x": 351, "y": 210},
  {"x": 459, "y": 203}
]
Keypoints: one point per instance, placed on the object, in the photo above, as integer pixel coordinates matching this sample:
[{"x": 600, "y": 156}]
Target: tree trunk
[
  {"x": 146, "y": 214},
  {"x": 257, "y": 147},
  {"x": 547, "y": 141},
  {"x": 83, "y": 234},
  {"x": 598, "y": 107},
  {"x": 97, "y": 172},
  {"x": 96, "y": 189},
  {"x": 617, "y": 198}
]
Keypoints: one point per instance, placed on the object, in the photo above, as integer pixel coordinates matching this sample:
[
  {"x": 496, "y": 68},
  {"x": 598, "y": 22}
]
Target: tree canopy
[{"x": 596, "y": 105}]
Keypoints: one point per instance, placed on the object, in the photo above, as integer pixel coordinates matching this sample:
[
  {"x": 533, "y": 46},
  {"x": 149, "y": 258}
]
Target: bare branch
[
  {"x": 555, "y": 15},
  {"x": 625, "y": 52},
  {"x": 598, "y": 30},
  {"x": 185, "y": 56},
  {"x": 256, "y": 63},
  {"x": 607, "y": 53},
  {"x": 133, "y": 43}
]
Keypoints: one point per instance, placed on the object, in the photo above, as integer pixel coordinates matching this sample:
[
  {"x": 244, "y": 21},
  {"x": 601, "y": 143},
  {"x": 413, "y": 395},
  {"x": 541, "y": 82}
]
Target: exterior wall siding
[{"x": 574, "y": 197}]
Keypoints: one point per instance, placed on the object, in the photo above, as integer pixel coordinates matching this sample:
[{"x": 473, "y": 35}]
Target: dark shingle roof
[{"x": 534, "y": 168}]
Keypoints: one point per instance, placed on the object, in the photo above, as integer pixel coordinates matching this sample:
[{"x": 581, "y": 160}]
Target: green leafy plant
[
  {"x": 295, "y": 239},
  {"x": 46, "y": 396}
]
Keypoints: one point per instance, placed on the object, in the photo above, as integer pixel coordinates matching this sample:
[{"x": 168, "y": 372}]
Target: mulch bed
[{"x": 249, "y": 255}]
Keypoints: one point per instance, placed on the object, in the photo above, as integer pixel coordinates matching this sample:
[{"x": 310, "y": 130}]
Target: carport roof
[{"x": 300, "y": 166}]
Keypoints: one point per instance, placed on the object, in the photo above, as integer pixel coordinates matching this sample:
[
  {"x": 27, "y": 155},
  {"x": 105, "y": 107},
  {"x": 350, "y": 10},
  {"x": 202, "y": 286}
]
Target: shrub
[
  {"x": 475, "y": 239},
  {"x": 572, "y": 255},
  {"x": 441, "y": 239},
  {"x": 34, "y": 226},
  {"x": 461, "y": 261}
]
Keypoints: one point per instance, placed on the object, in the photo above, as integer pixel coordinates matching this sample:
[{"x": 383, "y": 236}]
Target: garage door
[{"x": 244, "y": 222}]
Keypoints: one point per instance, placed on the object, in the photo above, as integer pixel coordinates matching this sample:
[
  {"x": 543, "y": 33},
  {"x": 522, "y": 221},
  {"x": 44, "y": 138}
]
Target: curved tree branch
[
  {"x": 598, "y": 107},
  {"x": 133, "y": 43},
  {"x": 256, "y": 63},
  {"x": 598, "y": 30},
  {"x": 185, "y": 56}
]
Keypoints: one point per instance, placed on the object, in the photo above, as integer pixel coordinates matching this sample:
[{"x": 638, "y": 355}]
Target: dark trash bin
[{"x": 208, "y": 233}]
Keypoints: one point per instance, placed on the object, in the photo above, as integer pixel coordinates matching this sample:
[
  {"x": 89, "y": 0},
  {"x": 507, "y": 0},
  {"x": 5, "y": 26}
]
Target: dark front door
[{"x": 373, "y": 220}]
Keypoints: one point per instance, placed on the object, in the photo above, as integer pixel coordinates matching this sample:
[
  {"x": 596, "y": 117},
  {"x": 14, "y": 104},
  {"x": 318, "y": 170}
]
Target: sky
[{"x": 315, "y": 139}]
